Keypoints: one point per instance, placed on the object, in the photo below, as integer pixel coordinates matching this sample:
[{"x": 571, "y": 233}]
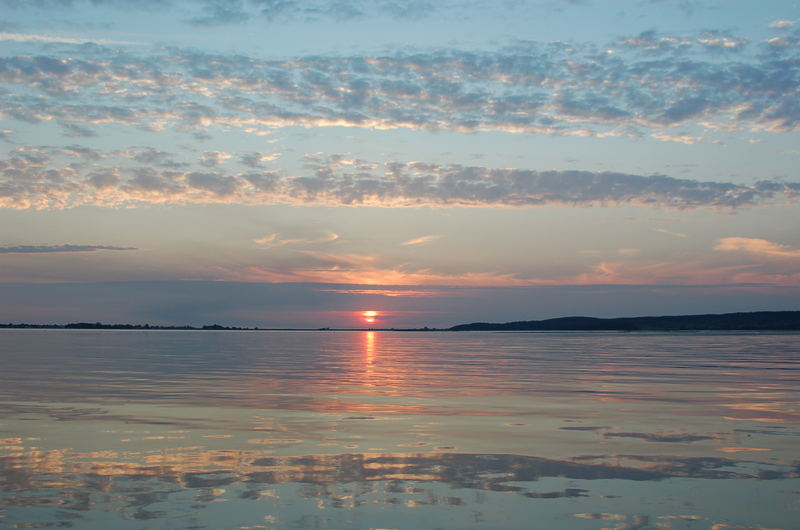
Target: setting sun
[{"x": 369, "y": 316}]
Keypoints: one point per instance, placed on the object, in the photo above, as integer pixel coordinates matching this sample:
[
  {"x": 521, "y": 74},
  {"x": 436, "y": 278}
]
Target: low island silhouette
[{"x": 752, "y": 321}]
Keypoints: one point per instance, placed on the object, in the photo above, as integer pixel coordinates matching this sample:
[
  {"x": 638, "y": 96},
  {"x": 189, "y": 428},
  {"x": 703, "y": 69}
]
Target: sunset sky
[{"x": 299, "y": 162}]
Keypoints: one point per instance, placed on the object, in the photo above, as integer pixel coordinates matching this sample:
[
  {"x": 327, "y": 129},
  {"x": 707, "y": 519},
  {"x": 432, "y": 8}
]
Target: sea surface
[{"x": 399, "y": 430}]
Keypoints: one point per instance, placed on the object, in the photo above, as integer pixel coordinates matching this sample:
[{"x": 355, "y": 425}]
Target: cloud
[
  {"x": 309, "y": 305},
  {"x": 257, "y": 160},
  {"x": 540, "y": 88},
  {"x": 51, "y": 5},
  {"x": 722, "y": 40},
  {"x": 760, "y": 247},
  {"x": 363, "y": 270},
  {"x": 214, "y": 158},
  {"x": 695, "y": 269},
  {"x": 655, "y": 43},
  {"x": 704, "y": 268},
  {"x": 50, "y": 178},
  {"x": 782, "y": 24},
  {"x": 670, "y": 232},
  {"x": 420, "y": 240},
  {"x": 394, "y": 292},
  {"x": 41, "y": 249},
  {"x": 40, "y": 38},
  {"x": 369, "y": 270},
  {"x": 338, "y": 262},
  {"x": 151, "y": 156},
  {"x": 218, "y": 12},
  {"x": 375, "y": 270},
  {"x": 204, "y": 13},
  {"x": 663, "y": 437},
  {"x": 76, "y": 131},
  {"x": 313, "y": 266},
  {"x": 682, "y": 138},
  {"x": 266, "y": 241},
  {"x": 275, "y": 240}
]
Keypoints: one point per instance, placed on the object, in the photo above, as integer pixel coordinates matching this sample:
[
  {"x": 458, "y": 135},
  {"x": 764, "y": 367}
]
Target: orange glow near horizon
[{"x": 369, "y": 316}]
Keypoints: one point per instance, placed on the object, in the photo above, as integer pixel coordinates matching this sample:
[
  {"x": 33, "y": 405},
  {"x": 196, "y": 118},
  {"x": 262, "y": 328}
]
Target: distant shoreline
[
  {"x": 212, "y": 327},
  {"x": 751, "y": 321}
]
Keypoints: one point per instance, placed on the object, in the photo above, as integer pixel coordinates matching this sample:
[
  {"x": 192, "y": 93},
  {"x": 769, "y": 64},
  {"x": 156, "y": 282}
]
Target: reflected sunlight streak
[{"x": 369, "y": 358}]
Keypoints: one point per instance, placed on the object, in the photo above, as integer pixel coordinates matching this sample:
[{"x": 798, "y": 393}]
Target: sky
[{"x": 288, "y": 163}]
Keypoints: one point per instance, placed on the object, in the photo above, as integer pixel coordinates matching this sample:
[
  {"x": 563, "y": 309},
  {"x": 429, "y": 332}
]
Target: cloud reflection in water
[{"x": 400, "y": 430}]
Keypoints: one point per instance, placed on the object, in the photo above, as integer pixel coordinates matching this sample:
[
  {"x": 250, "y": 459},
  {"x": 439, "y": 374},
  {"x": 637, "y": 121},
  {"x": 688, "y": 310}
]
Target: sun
[{"x": 369, "y": 316}]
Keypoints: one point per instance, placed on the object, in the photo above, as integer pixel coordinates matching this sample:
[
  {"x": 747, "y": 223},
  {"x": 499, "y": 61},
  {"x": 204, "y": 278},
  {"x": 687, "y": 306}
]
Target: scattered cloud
[
  {"x": 43, "y": 178},
  {"x": 558, "y": 88},
  {"x": 723, "y": 40},
  {"x": 421, "y": 240},
  {"x": 760, "y": 247},
  {"x": 41, "y": 249},
  {"x": 655, "y": 43}
]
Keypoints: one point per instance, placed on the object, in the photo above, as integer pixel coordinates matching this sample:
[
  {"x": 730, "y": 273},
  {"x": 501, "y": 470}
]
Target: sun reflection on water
[
  {"x": 369, "y": 346},
  {"x": 369, "y": 358}
]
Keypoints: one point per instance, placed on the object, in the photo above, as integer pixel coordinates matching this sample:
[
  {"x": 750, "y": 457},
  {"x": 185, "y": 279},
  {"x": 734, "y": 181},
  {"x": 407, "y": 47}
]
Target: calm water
[{"x": 358, "y": 430}]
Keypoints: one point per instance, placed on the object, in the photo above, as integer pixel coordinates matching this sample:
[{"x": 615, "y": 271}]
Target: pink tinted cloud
[{"x": 761, "y": 247}]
